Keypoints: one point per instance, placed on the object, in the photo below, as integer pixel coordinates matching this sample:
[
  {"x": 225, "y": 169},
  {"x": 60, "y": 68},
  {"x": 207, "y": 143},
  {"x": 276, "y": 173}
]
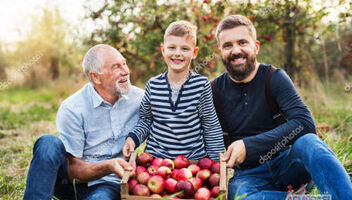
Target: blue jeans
[
  {"x": 308, "y": 158},
  {"x": 47, "y": 175}
]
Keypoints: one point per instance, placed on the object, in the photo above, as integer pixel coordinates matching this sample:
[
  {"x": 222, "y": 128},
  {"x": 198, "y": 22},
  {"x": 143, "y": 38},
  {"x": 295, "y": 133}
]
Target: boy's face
[{"x": 178, "y": 52}]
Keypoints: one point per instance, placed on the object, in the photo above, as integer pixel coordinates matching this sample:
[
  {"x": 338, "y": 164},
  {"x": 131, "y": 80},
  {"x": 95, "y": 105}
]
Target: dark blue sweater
[{"x": 247, "y": 115}]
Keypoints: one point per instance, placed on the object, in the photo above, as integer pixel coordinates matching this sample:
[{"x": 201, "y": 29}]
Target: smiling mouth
[
  {"x": 123, "y": 80},
  {"x": 177, "y": 61},
  {"x": 237, "y": 61}
]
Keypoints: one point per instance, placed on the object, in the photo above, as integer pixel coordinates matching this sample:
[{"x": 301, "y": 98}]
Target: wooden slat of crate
[{"x": 124, "y": 182}]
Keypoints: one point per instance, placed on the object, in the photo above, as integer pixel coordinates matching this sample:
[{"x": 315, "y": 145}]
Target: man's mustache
[
  {"x": 123, "y": 78},
  {"x": 236, "y": 56}
]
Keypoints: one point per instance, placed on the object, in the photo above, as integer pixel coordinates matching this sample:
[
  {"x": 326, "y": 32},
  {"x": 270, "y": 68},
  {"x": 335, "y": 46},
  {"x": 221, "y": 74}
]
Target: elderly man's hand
[
  {"x": 128, "y": 148},
  {"x": 235, "y": 154},
  {"x": 118, "y": 166}
]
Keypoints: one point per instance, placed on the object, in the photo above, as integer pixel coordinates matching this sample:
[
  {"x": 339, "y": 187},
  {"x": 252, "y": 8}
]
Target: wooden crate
[{"x": 124, "y": 182}]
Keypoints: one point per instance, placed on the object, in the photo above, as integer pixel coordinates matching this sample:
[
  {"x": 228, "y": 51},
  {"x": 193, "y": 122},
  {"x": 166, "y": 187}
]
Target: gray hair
[
  {"x": 233, "y": 21},
  {"x": 93, "y": 61}
]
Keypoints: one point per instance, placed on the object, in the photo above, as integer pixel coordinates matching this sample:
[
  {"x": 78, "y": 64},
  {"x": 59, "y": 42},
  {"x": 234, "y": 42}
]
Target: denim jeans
[
  {"x": 47, "y": 175},
  {"x": 308, "y": 158}
]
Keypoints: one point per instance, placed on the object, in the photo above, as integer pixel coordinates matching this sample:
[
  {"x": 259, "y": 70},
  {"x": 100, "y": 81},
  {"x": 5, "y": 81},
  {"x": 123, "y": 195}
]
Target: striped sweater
[{"x": 189, "y": 127}]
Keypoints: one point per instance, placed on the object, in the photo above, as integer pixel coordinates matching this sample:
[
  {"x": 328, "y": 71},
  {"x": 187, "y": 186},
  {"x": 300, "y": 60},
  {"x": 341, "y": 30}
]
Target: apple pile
[{"x": 157, "y": 177}]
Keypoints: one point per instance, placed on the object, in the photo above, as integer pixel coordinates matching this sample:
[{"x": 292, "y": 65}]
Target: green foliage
[
  {"x": 49, "y": 50},
  {"x": 137, "y": 29},
  {"x": 290, "y": 32}
]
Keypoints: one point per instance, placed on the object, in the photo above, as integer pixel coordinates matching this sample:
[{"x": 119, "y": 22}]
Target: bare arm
[{"x": 86, "y": 171}]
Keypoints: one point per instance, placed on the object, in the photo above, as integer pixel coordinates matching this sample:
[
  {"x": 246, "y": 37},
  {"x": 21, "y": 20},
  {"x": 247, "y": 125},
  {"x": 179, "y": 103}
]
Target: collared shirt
[{"x": 93, "y": 129}]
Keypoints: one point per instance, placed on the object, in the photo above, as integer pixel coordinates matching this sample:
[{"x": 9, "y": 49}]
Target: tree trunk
[
  {"x": 54, "y": 62},
  {"x": 289, "y": 54},
  {"x": 326, "y": 65}
]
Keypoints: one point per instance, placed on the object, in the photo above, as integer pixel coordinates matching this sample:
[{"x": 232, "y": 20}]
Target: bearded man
[
  {"x": 92, "y": 125},
  {"x": 271, "y": 133}
]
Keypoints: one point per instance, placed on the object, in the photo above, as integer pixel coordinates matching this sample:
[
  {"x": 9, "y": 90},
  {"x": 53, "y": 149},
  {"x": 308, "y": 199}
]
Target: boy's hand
[
  {"x": 235, "y": 154},
  {"x": 128, "y": 147}
]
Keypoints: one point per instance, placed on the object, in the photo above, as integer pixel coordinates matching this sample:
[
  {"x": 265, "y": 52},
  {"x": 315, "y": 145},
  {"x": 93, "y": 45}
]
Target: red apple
[
  {"x": 157, "y": 162},
  {"x": 214, "y": 180},
  {"x": 170, "y": 184},
  {"x": 145, "y": 159},
  {"x": 205, "y": 163},
  {"x": 131, "y": 184},
  {"x": 196, "y": 182},
  {"x": 216, "y": 168},
  {"x": 152, "y": 170},
  {"x": 168, "y": 163},
  {"x": 194, "y": 169},
  {"x": 143, "y": 178},
  {"x": 140, "y": 169},
  {"x": 164, "y": 171},
  {"x": 174, "y": 173},
  {"x": 215, "y": 191},
  {"x": 155, "y": 196},
  {"x": 202, "y": 194},
  {"x": 186, "y": 187},
  {"x": 141, "y": 190},
  {"x": 181, "y": 162},
  {"x": 156, "y": 184},
  {"x": 204, "y": 174},
  {"x": 184, "y": 174}
]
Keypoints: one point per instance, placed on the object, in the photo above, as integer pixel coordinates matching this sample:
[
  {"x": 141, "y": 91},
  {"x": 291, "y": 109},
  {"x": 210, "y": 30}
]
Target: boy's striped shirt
[{"x": 179, "y": 129}]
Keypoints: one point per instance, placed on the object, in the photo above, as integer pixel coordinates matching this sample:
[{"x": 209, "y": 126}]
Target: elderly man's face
[
  {"x": 239, "y": 51},
  {"x": 115, "y": 73}
]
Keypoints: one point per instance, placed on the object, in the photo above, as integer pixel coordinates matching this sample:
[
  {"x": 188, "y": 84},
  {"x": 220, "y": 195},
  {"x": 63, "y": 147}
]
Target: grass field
[{"x": 27, "y": 114}]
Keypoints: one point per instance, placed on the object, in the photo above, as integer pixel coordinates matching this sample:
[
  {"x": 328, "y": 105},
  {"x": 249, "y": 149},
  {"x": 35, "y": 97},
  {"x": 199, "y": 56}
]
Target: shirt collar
[{"x": 98, "y": 100}]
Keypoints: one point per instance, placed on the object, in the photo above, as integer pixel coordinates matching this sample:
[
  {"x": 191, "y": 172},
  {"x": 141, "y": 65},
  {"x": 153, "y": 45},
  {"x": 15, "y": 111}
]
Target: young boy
[{"x": 177, "y": 111}]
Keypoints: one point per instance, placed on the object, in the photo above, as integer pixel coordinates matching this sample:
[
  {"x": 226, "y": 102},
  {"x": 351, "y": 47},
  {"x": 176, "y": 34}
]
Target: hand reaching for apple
[
  {"x": 118, "y": 166},
  {"x": 128, "y": 148},
  {"x": 235, "y": 154}
]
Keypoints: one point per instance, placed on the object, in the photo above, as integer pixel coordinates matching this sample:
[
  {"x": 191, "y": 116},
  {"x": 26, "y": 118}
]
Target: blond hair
[{"x": 182, "y": 28}]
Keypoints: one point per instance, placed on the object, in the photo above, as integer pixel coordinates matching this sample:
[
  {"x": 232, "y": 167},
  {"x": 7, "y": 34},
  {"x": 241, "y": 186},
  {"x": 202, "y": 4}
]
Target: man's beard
[
  {"x": 122, "y": 90},
  {"x": 241, "y": 71}
]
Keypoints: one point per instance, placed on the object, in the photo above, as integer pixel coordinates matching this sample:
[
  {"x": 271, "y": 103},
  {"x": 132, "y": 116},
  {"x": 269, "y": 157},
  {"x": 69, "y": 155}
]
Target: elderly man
[
  {"x": 92, "y": 126},
  {"x": 271, "y": 132}
]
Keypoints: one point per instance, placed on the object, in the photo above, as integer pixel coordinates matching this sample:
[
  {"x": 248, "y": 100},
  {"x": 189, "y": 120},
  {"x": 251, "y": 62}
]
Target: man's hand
[
  {"x": 128, "y": 148},
  {"x": 235, "y": 154},
  {"x": 118, "y": 166}
]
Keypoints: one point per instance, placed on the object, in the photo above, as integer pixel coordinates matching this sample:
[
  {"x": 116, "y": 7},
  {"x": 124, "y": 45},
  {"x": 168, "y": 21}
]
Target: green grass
[{"x": 26, "y": 114}]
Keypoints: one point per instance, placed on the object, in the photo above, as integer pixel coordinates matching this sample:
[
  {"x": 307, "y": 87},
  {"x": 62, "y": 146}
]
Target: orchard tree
[
  {"x": 49, "y": 41},
  {"x": 287, "y": 29},
  {"x": 136, "y": 28},
  {"x": 285, "y": 21}
]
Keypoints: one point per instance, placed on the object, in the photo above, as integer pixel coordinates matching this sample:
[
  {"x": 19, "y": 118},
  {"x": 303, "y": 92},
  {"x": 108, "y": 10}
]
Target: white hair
[{"x": 93, "y": 61}]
